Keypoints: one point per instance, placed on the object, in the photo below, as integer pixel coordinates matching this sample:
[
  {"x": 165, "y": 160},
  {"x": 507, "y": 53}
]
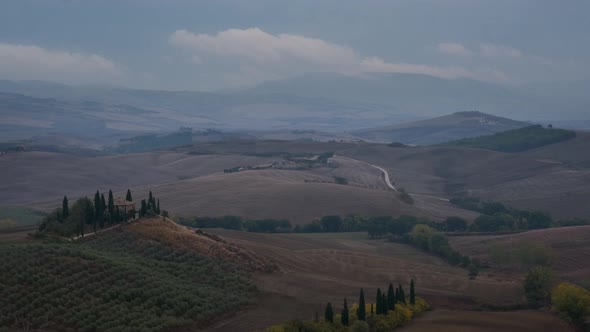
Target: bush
[
  {"x": 340, "y": 180},
  {"x": 537, "y": 286},
  {"x": 571, "y": 302}
]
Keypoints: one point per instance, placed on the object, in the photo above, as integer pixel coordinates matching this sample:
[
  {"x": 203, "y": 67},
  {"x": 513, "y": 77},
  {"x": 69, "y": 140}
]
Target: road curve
[{"x": 386, "y": 174}]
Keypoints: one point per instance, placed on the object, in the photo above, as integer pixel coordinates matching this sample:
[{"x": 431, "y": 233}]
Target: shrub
[
  {"x": 537, "y": 286},
  {"x": 571, "y": 302}
]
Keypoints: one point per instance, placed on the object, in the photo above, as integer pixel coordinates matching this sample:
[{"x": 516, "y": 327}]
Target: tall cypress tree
[
  {"x": 143, "y": 210},
  {"x": 97, "y": 215},
  {"x": 128, "y": 196},
  {"x": 384, "y": 304},
  {"x": 344, "y": 315},
  {"x": 361, "y": 314},
  {"x": 378, "y": 310},
  {"x": 150, "y": 203},
  {"x": 412, "y": 293},
  {"x": 111, "y": 207},
  {"x": 329, "y": 313},
  {"x": 390, "y": 297},
  {"x": 65, "y": 210},
  {"x": 158, "y": 207},
  {"x": 402, "y": 295},
  {"x": 372, "y": 310}
]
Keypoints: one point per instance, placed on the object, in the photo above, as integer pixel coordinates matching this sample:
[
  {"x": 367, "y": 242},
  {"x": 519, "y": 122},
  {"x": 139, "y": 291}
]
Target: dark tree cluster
[
  {"x": 151, "y": 207},
  {"x": 94, "y": 214}
]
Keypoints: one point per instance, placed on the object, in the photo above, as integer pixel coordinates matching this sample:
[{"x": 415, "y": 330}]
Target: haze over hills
[
  {"x": 328, "y": 103},
  {"x": 441, "y": 129}
]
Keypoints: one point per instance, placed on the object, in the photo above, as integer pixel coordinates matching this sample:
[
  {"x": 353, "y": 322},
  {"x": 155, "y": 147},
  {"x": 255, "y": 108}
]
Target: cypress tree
[
  {"x": 150, "y": 201},
  {"x": 97, "y": 218},
  {"x": 344, "y": 315},
  {"x": 372, "y": 312},
  {"x": 158, "y": 207},
  {"x": 402, "y": 295},
  {"x": 111, "y": 207},
  {"x": 329, "y": 313},
  {"x": 361, "y": 314},
  {"x": 128, "y": 196},
  {"x": 65, "y": 210},
  {"x": 143, "y": 210},
  {"x": 390, "y": 298},
  {"x": 412, "y": 293},
  {"x": 379, "y": 310},
  {"x": 384, "y": 304}
]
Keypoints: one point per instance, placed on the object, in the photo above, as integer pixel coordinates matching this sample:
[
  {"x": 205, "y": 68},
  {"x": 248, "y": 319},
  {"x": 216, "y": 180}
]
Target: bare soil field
[
  {"x": 516, "y": 179},
  {"x": 298, "y": 196},
  {"x": 571, "y": 152},
  {"x": 479, "y": 321},
  {"x": 42, "y": 176},
  {"x": 317, "y": 268},
  {"x": 571, "y": 244}
]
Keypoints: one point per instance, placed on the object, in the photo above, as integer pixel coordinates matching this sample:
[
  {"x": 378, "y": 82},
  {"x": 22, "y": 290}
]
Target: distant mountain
[
  {"x": 327, "y": 103},
  {"x": 441, "y": 129}
]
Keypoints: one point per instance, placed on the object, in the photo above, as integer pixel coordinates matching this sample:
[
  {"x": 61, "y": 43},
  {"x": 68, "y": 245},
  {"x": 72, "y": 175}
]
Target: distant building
[{"x": 124, "y": 206}]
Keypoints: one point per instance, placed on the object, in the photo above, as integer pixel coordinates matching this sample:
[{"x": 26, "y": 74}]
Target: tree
[
  {"x": 384, "y": 304},
  {"x": 361, "y": 314},
  {"x": 158, "y": 207},
  {"x": 150, "y": 202},
  {"x": 329, "y": 313},
  {"x": 412, "y": 293},
  {"x": 128, "y": 196},
  {"x": 571, "y": 302},
  {"x": 97, "y": 214},
  {"x": 65, "y": 211},
  {"x": 537, "y": 286},
  {"x": 111, "y": 207},
  {"x": 401, "y": 295},
  {"x": 143, "y": 210},
  {"x": 378, "y": 304},
  {"x": 390, "y": 297},
  {"x": 421, "y": 235},
  {"x": 344, "y": 315},
  {"x": 331, "y": 223}
]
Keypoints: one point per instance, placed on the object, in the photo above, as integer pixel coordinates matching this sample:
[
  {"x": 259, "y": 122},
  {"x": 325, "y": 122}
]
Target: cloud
[
  {"x": 453, "y": 49},
  {"x": 271, "y": 56},
  {"x": 30, "y": 62},
  {"x": 262, "y": 47},
  {"x": 376, "y": 64},
  {"x": 498, "y": 51},
  {"x": 486, "y": 50}
]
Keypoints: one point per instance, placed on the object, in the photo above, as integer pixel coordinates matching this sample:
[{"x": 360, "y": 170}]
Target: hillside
[
  {"x": 516, "y": 140},
  {"x": 126, "y": 279},
  {"x": 316, "y": 268},
  {"x": 571, "y": 246},
  {"x": 441, "y": 129}
]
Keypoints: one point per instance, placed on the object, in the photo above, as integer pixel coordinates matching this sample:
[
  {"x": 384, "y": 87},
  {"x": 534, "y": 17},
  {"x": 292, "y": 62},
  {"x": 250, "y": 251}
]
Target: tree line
[
  {"x": 94, "y": 214},
  {"x": 496, "y": 217}
]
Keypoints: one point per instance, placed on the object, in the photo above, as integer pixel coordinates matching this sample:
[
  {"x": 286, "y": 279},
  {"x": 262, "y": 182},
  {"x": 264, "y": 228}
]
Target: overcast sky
[{"x": 209, "y": 45}]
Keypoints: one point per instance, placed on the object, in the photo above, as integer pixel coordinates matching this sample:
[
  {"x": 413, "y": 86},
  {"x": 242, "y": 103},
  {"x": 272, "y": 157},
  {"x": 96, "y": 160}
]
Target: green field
[
  {"x": 118, "y": 281},
  {"x": 516, "y": 140},
  {"x": 15, "y": 216}
]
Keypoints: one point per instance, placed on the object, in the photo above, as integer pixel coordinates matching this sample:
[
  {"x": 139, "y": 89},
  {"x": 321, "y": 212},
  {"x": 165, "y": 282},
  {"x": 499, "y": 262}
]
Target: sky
[{"x": 222, "y": 44}]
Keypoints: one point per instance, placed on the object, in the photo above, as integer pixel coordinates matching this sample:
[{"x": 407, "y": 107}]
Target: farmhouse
[{"x": 126, "y": 207}]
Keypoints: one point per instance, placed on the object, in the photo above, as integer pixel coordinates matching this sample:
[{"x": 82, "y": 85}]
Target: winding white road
[{"x": 386, "y": 174}]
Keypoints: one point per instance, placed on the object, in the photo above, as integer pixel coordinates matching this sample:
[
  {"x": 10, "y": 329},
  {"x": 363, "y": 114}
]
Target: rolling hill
[
  {"x": 148, "y": 275},
  {"x": 441, "y": 129}
]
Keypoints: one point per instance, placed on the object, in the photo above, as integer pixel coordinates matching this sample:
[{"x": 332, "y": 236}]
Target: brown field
[
  {"x": 191, "y": 185},
  {"x": 571, "y": 245},
  {"x": 317, "y": 268},
  {"x": 479, "y": 321}
]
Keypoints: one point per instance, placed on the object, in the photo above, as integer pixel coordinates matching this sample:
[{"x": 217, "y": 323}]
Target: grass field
[
  {"x": 317, "y": 268},
  {"x": 21, "y": 216}
]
